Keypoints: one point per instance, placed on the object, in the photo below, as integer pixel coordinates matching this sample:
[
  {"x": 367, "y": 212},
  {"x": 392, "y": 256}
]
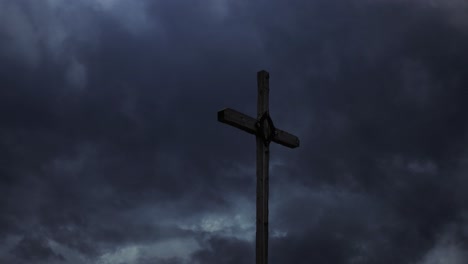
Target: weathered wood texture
[
  {"x": 284, "y": 138},
  {"x": 237, "y": 119},
  {"x": 262, "y": 172}
]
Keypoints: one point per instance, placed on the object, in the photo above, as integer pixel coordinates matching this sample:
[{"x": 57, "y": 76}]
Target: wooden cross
[{"x": 265, "y": 132}]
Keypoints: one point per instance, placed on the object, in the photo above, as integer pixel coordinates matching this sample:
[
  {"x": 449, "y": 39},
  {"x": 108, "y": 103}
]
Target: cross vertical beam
[
  {"x": 265, "y": 132},
  {"x": 263, "y": 157}
]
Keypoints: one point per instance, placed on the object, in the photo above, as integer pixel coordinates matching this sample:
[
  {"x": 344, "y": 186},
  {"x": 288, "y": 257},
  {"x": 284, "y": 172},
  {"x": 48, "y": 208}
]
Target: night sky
[{"x": 111, "y": 152}]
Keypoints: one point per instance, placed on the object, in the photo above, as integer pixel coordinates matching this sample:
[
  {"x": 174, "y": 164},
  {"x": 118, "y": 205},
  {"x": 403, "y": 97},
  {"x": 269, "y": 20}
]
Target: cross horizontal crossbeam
[{"x": 248, "y": 124}]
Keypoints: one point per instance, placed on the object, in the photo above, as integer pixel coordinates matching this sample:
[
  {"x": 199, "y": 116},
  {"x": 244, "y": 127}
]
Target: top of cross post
[{"x": 263, "y": 74}]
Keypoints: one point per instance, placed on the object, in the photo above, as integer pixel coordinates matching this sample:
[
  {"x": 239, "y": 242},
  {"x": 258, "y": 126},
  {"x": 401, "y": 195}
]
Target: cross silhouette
[{"x": 265, "y": 132}]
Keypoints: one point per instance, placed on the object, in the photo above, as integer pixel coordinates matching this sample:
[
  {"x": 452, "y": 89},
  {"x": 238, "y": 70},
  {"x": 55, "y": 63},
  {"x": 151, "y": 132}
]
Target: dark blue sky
[{"x": 111, "y": 151}]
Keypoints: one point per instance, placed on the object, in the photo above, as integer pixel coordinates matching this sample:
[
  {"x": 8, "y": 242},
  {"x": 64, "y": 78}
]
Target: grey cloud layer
[{"x": 112, "y": 152}]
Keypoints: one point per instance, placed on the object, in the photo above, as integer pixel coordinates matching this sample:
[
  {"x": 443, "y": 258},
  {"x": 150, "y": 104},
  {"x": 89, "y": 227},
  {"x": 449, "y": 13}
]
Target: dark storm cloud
[
  {"x": 111, "y": 146},
  {"x": 83, "y": 164},
  {"x": 34, "y": 250},
  {"x": 384, "y": 85},
  {"x": 226, "y": 251}
]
